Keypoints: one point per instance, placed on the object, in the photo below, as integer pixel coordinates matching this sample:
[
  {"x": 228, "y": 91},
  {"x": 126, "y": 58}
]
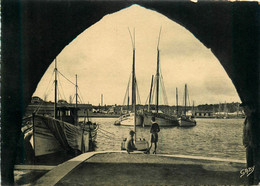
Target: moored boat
[
  {"x": 161, "y": 118},
  {"x": 128, "y": 119},
  {"x": 45, "y": 135},
  {"x": 164, "y": 120},
  {"x": 186, "y": 121},
  {"x": 131, "y": 118}
]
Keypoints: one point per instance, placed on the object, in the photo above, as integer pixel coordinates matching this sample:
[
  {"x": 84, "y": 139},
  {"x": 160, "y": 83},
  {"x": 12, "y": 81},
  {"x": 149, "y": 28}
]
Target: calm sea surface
[{"x": 221, "y": 138}]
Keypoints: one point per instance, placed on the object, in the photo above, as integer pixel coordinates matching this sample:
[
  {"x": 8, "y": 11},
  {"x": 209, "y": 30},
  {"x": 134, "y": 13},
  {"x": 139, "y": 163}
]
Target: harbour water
[{"x": 220, "y": 138}]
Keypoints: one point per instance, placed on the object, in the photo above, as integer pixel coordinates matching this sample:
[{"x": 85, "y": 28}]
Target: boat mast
[
  {"x": 150, "y": 96},
  {"x": 193, "y": 112},
  {"x": 55, "y": 90},
  {"x": 128, "y": 102},
  {"x": 101, "y": 100},
  {"x": 133, "y": 82},
  {"x": 158, "y": 73},
  {"x": 76, "y": 105},
  {"x": 185, "y": 100},
  {"x": 177, "y": 109}
]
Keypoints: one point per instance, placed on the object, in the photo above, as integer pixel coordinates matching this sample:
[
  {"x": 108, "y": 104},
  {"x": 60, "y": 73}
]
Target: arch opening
[{"x": 103, "y": 52}]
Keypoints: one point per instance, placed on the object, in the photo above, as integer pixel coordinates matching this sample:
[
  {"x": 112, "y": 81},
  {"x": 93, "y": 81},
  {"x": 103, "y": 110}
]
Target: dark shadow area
[
  {"x": 148, "y": 174},
  {"x": 28, "y": 176}
]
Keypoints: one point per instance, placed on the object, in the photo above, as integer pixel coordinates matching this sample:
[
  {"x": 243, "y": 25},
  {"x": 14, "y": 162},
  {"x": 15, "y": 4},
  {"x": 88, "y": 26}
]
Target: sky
[{"x": 101, "y": 56}]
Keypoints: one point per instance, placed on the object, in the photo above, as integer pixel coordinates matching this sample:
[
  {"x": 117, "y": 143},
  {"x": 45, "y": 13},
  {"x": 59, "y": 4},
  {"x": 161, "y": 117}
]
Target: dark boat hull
[
  {"x": 162, "y": 119},
  {"x": 187, "y": 122}
]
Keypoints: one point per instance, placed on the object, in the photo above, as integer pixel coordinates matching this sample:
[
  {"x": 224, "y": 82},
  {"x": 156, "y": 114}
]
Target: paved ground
[{"x": 142, "y": 169}]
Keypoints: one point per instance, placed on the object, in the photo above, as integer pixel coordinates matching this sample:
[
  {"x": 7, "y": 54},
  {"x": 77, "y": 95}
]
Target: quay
[{"x": 137, "y": 168}]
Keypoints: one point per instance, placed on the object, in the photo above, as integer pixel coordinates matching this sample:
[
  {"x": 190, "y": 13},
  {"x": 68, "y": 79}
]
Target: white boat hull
[
  {"x": 140, "y": 145},
  {"x": 51, "y": 136},
  {"x": 129, "y": 120}
]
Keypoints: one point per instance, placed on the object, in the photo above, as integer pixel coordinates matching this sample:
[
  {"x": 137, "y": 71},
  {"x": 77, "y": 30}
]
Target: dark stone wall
[{"x": 35, "y": 32}]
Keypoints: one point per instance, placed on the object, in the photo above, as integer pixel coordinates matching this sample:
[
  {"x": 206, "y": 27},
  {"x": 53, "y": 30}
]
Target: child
[
  {"x": 130, "y": 144},
  {"x": 154, "y": 136}
]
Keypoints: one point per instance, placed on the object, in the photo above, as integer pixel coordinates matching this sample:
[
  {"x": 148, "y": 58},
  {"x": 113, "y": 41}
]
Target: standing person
[
  {"x": 251, "y": 145},
  {"x": 154, "y": 136},
  {"x": 130, "y": 144}
]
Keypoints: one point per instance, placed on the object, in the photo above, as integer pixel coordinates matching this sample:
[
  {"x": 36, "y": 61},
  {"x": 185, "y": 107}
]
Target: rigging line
[
  {"x": 39, "y": 106},
  {"x": 59, "y": 94},
  {"x": 127, "y": 89},
  {"x": 163, "y": 87},
  {"x": 66, "y": 78},
  {"x": 61, "y": 88},
  {"x": 126, "y": 95},
  {"x": 138, "y": 95},
  {"x": 107, "y": 132},
  {"x": 188, "y": 98},
  {"x": 80, "y": 100},
  {"x": 100, "y": 136},
  {"x": 161, "y": 90},
  {"x": 164, "y": 92},
  {"x": 48, "y": 86},
  {"x": 106, "y": 135},
  {"x": 146, "y": 102},
  {"x": 46, "y": 90},
  {"x": 81, "y": 94},
  {"x": 73, "y": 97}
]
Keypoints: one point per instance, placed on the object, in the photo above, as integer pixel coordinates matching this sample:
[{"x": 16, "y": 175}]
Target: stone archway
[{"x": 35, "y": 32}]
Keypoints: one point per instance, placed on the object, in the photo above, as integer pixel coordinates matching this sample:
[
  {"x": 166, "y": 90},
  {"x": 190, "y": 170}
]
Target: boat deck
[{"x": 120, "y": 168}]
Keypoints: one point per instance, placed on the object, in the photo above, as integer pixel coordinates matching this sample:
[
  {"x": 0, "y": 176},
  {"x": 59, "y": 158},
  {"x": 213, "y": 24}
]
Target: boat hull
[
  {"x": 163, "y": 120},
  {"x": 187, "y": 123},
  {"x": 49, "y": 136},
  {"x": 140, "y": 145},
  {"x": 128, "y": 120}
]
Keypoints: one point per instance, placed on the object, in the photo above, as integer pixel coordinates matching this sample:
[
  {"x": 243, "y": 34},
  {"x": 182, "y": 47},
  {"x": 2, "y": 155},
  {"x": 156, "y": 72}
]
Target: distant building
[{"x": 203, "y": 114}]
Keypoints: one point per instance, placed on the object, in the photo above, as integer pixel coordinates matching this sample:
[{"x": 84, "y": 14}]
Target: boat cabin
[{"x": 67, "y": 114}]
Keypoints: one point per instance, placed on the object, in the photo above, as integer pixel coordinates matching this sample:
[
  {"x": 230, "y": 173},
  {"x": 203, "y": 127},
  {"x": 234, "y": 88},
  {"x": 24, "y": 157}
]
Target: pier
[{"x": 120, "y": 168}]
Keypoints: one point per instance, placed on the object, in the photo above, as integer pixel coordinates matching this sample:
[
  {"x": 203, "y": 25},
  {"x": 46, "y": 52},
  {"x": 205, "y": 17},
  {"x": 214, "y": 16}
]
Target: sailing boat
[
  {"x": 45, "y": 135},
  {"x": 131, "y": 118},
  {"x": 161, "y": 118},
  {"x": 186, "y": 121}
]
